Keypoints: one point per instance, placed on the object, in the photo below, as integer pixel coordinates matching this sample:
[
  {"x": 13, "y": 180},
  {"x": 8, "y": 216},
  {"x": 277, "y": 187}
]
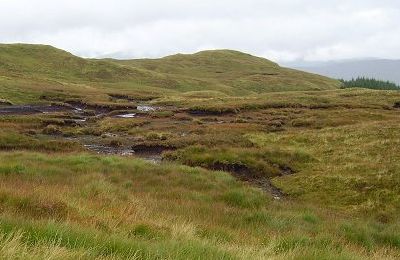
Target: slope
[
  {"x": 43, "y": 61},
  {"x": 233, "y": 71},
  {"x": 34, "y": 69}
]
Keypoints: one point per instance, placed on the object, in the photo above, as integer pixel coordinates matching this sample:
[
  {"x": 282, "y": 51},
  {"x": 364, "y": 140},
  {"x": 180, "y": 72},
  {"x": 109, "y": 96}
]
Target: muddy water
[
  {"x": 140, "y": 108},
  {"x": 77, "y": 109},
  {"x": 147, "y": 108},
  {"x": 103, "y": 149},
  {"x": 131, "y": 115},
  {"x": 151, "y": 156}
]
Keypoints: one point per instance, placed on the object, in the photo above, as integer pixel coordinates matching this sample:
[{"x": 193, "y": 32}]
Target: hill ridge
[{"x": 227, "y": 71}]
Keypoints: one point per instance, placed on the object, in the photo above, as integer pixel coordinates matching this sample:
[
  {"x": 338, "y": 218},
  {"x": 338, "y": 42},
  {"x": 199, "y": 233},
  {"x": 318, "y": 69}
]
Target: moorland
[{"x": 213, "y": 155}]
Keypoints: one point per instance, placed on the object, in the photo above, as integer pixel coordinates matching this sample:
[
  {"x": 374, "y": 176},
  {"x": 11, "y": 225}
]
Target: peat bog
[{"x": 226, "y": 156}]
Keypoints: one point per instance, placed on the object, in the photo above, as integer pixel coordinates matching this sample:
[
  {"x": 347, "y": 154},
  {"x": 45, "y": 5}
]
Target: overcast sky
[{"x": 281, "y": 30}]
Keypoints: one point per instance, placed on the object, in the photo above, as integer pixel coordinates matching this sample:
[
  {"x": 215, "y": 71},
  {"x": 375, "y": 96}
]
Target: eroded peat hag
[
  {"x": 244, "y": 174},
  {"x": 32, "y": 109},
  {"x": 133, "y": 99},
  {"x": 252, "y": 165},
  {"x": 260, "y": 181}
]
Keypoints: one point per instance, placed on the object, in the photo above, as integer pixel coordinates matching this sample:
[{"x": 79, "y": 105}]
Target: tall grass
[{"x": 111, "y": 207}]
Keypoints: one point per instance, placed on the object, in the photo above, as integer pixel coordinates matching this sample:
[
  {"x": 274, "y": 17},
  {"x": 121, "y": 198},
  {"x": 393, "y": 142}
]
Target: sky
[{"x": 280, "y": 30}]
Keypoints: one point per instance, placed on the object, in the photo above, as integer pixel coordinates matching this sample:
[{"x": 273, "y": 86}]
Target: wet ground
[
  {"x": 32, "y": 109},
  {"x": 129, "y": 115},
  {"x": 81, "y": 115},
  {"x": 153, "y": 156},
  {"x": 147, "y": 108},
  {"x": 76, "y": 108}
]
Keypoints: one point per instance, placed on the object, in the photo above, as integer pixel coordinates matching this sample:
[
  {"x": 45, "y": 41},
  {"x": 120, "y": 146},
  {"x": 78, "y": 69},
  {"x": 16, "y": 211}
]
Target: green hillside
[
  {"x": 46, "y": 61},
  {"x": 234, "y": 72},
  {"x": 222, "y": 72}
]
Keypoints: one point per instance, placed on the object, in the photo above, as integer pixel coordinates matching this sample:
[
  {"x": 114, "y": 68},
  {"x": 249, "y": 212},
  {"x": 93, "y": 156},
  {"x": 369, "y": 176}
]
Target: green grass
[
  {"x": 232, "y": 72},
  {"x": 32, "y": 69},
  {"x": 358, "y": 162},
  {"x": 93, "y": 202},
  {"x": 15, "y": 141}
]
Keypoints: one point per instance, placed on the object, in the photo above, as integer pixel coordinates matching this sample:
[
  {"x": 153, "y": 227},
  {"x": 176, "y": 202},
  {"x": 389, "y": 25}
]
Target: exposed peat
[
  {"x": 243, "y": 173},
  {"x": 32, "y": 109}
]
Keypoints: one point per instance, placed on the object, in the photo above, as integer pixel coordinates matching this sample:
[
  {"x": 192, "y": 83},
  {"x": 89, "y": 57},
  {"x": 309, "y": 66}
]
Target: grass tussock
[{"x": 167, "y": 211}]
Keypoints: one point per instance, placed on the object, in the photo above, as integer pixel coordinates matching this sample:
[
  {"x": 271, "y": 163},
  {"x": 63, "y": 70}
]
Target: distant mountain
[{"x": 348, "y": 69}]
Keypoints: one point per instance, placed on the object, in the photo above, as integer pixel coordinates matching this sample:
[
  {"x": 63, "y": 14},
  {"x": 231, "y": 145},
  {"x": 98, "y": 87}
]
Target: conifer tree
[{"x": 370, "y": 83}]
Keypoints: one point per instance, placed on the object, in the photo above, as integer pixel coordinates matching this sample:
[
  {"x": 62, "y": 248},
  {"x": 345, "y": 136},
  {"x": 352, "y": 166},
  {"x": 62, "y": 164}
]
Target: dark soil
[
  {"x": 32, "y": 109},
  {"x": 200, "y": 112},
  {"x": 130, "y": 98},
  {"x": 243, "y": 173},
  {"x": 99, "y": 108},
  {"x": 145, "y": 148},
  {"x": 5, "y": 103}
]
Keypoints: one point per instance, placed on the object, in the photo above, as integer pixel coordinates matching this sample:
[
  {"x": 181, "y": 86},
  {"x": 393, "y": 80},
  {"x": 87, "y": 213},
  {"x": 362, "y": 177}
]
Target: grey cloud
[{"x": 281, "y": 30}]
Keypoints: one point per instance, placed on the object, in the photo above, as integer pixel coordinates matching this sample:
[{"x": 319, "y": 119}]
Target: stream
[{"x": 151, "y": 154}]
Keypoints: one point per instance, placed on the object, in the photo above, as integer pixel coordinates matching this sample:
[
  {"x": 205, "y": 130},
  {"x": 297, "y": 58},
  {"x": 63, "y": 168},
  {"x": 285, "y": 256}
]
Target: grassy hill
[
  {"x": 43, "y": 61},
  {"x": 233, "y": 72},
  {"x": 221, "y": 72}
]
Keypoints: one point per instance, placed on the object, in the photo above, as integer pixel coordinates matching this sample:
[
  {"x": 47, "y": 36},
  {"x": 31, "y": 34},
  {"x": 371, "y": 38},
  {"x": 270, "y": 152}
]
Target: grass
[
  {"x": 351, "y": 159},
  {"x": 95, "y": 200},
  {"x": 15, "y": 141},
  {"x": 29, "y": 69},
  {"x": 232, "y": 72},
  {"x": 332, "y": 152}
]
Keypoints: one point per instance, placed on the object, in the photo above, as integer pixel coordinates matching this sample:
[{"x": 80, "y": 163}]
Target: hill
[
  {"x": 222, "y": 72},
  {"x": 372, "y": 68},
  {"x": 233, "y": 72},
  {"x": 44, "y": 61}
]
